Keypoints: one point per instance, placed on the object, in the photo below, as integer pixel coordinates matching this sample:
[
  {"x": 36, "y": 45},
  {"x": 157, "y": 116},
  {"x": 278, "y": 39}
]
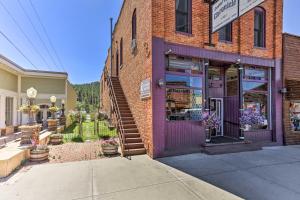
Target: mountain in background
[{"x": 88, "y": 95}]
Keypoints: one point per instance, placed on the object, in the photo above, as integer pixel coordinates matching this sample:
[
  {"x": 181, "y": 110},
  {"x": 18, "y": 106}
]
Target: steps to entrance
[
  {"x": 133, "y": 142},
  {"x": 236, "y": 147}
]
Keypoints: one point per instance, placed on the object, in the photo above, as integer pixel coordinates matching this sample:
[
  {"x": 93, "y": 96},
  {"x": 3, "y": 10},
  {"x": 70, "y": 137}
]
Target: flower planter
[
  {"x": 56, "y": 139},
  {"x": 38, "y": 155},
  {"x": 52, "y": 124},
  {"x": 30, "y": 133},
  {"x": 110, "y": 149}
]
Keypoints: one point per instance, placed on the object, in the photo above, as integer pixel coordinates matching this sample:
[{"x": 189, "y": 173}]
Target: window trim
[
  {"x": 225, "y": 40},
  {"x": 189, "y": 33},
  {"x": 260, "y": 10},
  {"x": 121, "y": 54},
  {"x": 134, "y": 26}
]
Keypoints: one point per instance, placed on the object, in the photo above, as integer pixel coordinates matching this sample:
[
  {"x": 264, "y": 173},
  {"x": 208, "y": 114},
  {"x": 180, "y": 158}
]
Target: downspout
[{"x": 111, "y": 41}]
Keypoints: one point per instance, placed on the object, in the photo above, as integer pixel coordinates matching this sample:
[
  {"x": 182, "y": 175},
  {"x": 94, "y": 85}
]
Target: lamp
[
  {"x": 161, "y": 83},
  {"x": 53, "y": 99},
  {"x": 63, "y": 101},
  {"x": 31, "y": 93}
]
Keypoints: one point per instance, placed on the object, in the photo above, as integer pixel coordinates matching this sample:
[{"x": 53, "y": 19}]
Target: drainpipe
[
  {"x": 111, "y": 59},
  {"x": 111, "y": 41}
]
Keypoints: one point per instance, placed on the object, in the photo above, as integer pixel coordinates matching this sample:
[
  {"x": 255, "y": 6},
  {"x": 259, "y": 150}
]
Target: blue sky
[{"x": 79, "y": 31}]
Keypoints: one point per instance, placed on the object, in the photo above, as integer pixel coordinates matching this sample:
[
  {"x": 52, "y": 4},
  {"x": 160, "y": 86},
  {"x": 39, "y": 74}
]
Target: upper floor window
[
  {"x": 225, "y": 34},
  {"x": 259, "y": 27},
  {"x": 121, "y": 52},
  {"x": 134, "y": 25},
  {"x": 183, "y": 16}
]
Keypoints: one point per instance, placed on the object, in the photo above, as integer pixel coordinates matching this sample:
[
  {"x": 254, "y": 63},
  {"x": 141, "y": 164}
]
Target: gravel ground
[{"x": 70, "y": 152}]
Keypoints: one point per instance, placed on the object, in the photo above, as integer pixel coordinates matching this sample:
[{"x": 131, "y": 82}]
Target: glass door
[{"x": 216, "y": 107}]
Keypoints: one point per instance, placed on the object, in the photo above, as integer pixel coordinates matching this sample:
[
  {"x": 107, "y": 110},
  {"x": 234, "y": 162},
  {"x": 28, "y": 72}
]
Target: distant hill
[{"x": 88, "y": 94}]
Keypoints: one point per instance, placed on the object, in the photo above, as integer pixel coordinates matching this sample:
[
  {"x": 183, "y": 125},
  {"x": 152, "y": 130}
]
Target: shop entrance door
[{"x": 216, "y": 106}]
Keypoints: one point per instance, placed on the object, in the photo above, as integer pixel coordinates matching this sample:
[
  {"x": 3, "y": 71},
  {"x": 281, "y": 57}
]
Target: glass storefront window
[
  {"x": 295, "y": 116},
  {"x": 184, "y": 65},
  {"x": 255, "y": 86},
  {"x": 258, "y": 103},
  {"x": 185, "y": 81},
  {"x": 255, "y": 73},
  {"x": 183, "y": 104}
]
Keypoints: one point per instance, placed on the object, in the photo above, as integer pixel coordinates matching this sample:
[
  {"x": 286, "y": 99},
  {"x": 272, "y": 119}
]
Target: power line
[
  {"x": 20, "y": 28},
  {"x": 48, "y": 38},
  {"x": 36, "y": 31},
  {"x": 15, "y": 46}
]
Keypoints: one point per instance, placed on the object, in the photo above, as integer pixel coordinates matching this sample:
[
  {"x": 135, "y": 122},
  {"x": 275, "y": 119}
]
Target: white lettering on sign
[
  {"x": 223, "y": 12},
  {"x": 145, "y": 90},
  {"x": 247, "y": 5}
]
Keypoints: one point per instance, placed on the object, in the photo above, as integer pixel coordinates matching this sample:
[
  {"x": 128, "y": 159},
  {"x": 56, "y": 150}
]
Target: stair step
[
  {"x": 134, "y": 146},
  {"x": 134, "y": 152},
  {"x": 132, "y": 135},
  {"x": 129, "y": 126},
  {"x": 133, "y": 140},
  {"x": 126, "y": 115},
  {"x": 131, "y": 130}
]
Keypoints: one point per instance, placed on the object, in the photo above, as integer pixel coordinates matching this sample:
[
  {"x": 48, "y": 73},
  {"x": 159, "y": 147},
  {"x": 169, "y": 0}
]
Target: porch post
[
  {"x": 241, "y": 106},
  {"x": 206, "y": 93}
]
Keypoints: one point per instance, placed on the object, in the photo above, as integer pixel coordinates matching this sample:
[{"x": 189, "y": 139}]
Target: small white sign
[
  {"x": 247, "y": 5},
  {"x": 223, "y": 12},
  {"x": 145, "y": 90}
]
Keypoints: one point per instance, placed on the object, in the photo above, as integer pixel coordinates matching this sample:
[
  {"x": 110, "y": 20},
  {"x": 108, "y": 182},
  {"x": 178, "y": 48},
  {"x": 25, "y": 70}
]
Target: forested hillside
[{"x": 88, "y": 95}]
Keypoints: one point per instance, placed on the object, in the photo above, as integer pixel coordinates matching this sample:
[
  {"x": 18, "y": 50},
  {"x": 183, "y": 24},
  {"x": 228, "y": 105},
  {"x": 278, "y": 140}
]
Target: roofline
[
  {"x": 290, "y": 34},
  {"x": 21, "y": 69}
]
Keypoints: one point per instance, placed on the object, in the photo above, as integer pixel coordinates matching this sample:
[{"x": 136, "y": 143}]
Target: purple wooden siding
[
  {"x": 231, "y": 116},
  {"x": 181, "y": 134},
  {"x": 258, "y": 136}
]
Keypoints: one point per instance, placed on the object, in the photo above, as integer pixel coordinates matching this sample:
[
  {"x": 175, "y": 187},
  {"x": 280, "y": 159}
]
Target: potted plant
[
  {"x": 39, "y": 153},
  {"x": 56, "y": 139},
  {"x": 251, "y": 119},
  {"x": 110, "y": 147},
  {"x": 210, "y": 121}
]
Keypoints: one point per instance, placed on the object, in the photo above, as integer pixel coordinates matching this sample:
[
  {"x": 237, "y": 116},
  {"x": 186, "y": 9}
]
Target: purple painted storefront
[{"x": 180, "y": 135}]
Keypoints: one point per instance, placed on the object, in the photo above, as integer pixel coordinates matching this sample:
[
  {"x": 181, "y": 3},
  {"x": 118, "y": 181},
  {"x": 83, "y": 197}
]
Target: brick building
[
  {"x": 167, "y": 44},
  {"x": 291, "y": 77}
]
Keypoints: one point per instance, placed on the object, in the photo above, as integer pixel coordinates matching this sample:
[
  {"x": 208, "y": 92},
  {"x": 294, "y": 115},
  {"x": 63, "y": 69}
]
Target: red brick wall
[
  {"x": 136, "y": 67},
  {"x": 291, "y": 71},
  {"x": 164, "y": 27}
]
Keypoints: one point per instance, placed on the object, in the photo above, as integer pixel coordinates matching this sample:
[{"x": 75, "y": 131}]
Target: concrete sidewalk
[
  {"x": 273, "y": 173},
  {"x": 108, "y": 179}
]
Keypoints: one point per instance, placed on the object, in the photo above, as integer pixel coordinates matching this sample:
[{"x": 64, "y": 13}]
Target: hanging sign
[
  {"x": 226, "y": 11},
  {"x": 223, "y": 12},
  {"x": 247, "y": 5},
  {"x": 145, "y": 90}
]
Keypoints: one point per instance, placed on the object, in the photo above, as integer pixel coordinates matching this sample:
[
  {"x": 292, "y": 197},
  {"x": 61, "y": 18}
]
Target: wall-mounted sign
[
  {"x": 223, "y": 12},
  {"x": 145, "y": 90},
  {"x": 226, "y": 11},
  {"x": 247, "y": 5}
]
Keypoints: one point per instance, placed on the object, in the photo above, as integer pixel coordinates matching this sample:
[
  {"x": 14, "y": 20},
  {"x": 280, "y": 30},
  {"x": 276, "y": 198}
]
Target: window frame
[
  {"x": 134, "y": 25},
  {"x": 261, "y": 32},
  {"x": 189, "y": 18},
  {"x": 267, "y": 92},
  {"x": 9, "y": 111},
  {"x": 121, "y": 53},
  {"x": 186, "y": 74},
  {"x": 225, "y": 30}
]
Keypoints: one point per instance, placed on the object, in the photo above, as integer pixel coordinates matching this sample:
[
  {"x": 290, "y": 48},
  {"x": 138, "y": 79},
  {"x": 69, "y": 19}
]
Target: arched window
[
  {"x": 121, "y": 52},
  {"x": 134, "y": 25},
  {"x": 260, "y": 27}
]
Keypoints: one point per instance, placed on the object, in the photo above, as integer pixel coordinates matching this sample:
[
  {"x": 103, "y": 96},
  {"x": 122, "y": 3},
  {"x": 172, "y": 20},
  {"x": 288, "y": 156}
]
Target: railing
[{"x": 116, "y": 110}]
